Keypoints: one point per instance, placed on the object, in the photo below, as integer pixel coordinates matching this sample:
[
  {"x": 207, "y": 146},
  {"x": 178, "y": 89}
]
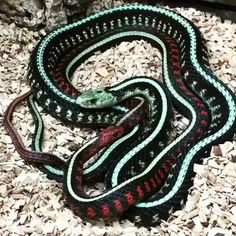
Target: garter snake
[
  {"x": 187, "y": 77},
  {"x": 28, "y": 155},
  {"x": 96, "y": 170},
  {"x": 198, "y": 94},
  {"x": 52, "y": 164}
]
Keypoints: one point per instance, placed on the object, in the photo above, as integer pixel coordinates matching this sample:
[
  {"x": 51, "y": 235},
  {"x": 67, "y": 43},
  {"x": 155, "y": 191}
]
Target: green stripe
[{"x": 116, "y": 188}]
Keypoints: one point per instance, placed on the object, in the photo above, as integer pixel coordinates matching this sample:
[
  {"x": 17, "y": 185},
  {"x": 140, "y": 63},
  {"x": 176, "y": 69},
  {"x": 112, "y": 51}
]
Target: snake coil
[{"x": 161, "y": 185}]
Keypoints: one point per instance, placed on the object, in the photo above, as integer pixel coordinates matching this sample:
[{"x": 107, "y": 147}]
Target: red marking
[
  {"x": 58, "y": 78},
  {"x": 129, "y": 198},
  {"x": 204, "y": 122},
  {"x": 75, "y": 209},
  {"x": 199, "y": 131},
  {"x": 182, "y": 88},
  {"x": 90, "y": 152},
  {"x": 147, "y": 186},
  {"x": 59, "y": 81},
  {"x": 195, "y": 99},
  {"x": 169, "y": 162},
  {"x": 62, "y": 83},
  {"x": 73, "y": 93},
  {"x": 140, "y": 191},
  {"x": 157, "y": 178},
  {"x": 174, "y": 50},
  {"x": 189, "y": 93},
  {"x": 57, "y": 70},
  {"x": 79, "y": 188},
  {"x": 73, "y": 206},
  {"x": 67, "y": 89},
  {"x": 91, "y": 212},
  {"x": 200, "y": 105},
  {"x": 154, "y": 184},
  {"x": 168, "y": 39},
  {"x": 166, "y": 168},
  {"x": 176, "y": 57},
  {"x": 177, "y": 72},
  {"x": 176, "y": 64},
  {"x": 171, "y": 42},
  {"x": 79, "y": 169},
  {"x": 204, "y": 113},
  {"x": 106, "y": 210},
  {"x": 179, "y": 80},
  {"x": 110, "y": 134},
  {"x": 118, "y": 205},
  {"x": 161, "y": 174},
  {"x": 58, "y": 73},
  {"x": 172, "y": 159},
  {"x": 78, "y": 178}
]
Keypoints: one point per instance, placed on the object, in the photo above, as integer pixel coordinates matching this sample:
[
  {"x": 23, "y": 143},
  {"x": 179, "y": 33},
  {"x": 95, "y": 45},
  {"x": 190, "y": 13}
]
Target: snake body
[
  {"x": 193, "y": 89},
  {"x": 54, "y": 165},
  {"x": 28, "y": 155}
]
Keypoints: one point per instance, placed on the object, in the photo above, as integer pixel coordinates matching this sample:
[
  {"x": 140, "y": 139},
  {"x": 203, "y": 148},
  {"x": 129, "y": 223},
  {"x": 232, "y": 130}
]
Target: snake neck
[{"x": 146, "y": 88}]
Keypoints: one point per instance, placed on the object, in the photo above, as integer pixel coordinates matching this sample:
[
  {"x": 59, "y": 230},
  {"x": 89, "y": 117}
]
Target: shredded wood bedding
[{"x": 32, "y": 204}]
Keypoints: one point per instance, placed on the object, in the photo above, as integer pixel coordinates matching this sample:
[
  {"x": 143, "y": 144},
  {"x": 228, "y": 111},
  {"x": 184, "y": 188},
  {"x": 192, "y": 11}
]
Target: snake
[
  {"x": 162, "y": 186},
  {"x": 54, "y": 165},
  {"x": 28, "y": 155}
]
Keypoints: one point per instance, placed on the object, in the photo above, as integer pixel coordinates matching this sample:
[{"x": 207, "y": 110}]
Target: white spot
[
  {"x": 39, "y": 93},
  {"x": 137, "y": 219},
  {"x": 58, "y": 109},
  {"x": 48, "y": 101},
  {"x": 68, "y": 114},
  {"x": 155, "y": 218}
]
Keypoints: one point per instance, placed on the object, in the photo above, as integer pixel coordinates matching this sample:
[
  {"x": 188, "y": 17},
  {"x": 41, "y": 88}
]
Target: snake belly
[{"x": 194, "y": 90}]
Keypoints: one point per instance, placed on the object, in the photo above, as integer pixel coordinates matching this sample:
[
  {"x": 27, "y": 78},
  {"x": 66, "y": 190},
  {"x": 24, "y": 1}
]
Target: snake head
[
  {"x": 96, "y": 98},
  {"x": 111, "y": 134}
]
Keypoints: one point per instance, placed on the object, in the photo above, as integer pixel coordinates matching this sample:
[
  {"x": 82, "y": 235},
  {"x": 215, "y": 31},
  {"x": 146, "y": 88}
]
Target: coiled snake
[{"x": 160, "y": 185}]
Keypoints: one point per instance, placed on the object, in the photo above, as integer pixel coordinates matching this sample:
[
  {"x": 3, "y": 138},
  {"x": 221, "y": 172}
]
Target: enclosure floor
[
  {"x": 32, "y": 204},
  {"x": 226, "y": 12}
]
